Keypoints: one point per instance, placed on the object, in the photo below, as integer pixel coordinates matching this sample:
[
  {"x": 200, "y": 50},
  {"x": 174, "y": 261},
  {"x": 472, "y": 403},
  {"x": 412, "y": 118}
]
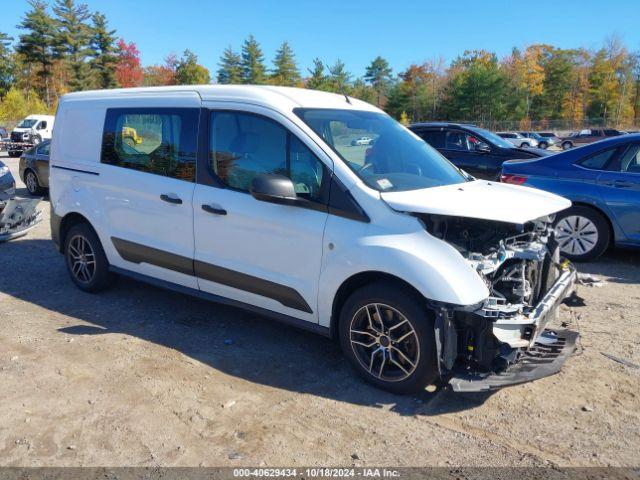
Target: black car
[
  {"x": 34, "y": 168},
  {"x": 479, "y": 152}
]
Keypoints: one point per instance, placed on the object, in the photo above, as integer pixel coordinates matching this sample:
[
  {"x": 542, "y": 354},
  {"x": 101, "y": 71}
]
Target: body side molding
[{"x": 137, "y": 253}]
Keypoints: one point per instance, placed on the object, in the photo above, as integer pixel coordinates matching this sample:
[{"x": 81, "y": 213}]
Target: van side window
[
  {"x": 244, "y": 145},
  {"x": 43, "y": 125},
  {"x": 155, "y": 140}
]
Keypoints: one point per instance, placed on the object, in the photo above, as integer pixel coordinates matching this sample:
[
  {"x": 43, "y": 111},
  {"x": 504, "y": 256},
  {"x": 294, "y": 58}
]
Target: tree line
[{"x": 64, "y": 47}]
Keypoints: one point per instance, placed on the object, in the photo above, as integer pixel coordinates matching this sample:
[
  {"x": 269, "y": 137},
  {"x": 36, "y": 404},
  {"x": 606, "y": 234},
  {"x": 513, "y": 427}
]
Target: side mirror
[
  {"x": 482, "y": 148},
  {"x": 269, "y": 187}
]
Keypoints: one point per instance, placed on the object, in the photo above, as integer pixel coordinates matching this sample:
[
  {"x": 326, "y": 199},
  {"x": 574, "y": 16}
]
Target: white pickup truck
[{"x": 30, "y": 131}]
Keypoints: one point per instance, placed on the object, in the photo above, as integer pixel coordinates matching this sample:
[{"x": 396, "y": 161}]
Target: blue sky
[{"x": 356, "y": 31}]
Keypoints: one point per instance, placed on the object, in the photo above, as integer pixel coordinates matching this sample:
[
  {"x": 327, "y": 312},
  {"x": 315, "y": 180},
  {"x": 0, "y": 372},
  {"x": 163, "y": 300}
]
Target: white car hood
[{"x": 479, "y": 199}]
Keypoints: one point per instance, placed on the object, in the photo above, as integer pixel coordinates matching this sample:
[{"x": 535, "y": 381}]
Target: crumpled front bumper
[
  {"x": 545, "y": 358},
  {"x": 17, "y": 217},
  {"x": 543, "y": 351}
]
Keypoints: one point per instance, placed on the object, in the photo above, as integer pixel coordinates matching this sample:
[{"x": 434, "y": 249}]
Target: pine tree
[
  {"x": 73, "y": 40},
  {"x": 103, "y": 46},
  {"x": 253, "y": 69},
  {"x": 36, "y": 46},
  {"x": 317, "y": 80},
  {"x": 378, "y": 75},
  {"x": 6, "y": 63},
  {"x": 230, "y": 71},
  {"x": 189, "y": 72},
  {"x": 285, "y": 70},
  {"x": 339, "y": 78}
]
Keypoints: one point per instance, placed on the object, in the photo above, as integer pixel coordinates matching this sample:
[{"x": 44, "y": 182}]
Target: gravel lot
[{"x": 140, "y": 376}]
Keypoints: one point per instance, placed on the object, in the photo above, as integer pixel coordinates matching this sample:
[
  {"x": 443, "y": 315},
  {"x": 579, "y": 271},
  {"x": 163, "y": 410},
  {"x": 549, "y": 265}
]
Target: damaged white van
[{"x": 262, "y": 197}]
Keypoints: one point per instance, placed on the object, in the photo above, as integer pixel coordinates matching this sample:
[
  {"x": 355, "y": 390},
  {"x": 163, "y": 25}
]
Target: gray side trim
[
  {"x": 136, "y": 253},
  {"x": 56, "y": 222},
  {"x": 286, "y": 319}
]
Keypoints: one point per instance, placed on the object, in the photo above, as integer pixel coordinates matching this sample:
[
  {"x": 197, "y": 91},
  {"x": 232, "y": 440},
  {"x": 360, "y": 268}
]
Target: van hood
[{"x": 479, "y": 199}]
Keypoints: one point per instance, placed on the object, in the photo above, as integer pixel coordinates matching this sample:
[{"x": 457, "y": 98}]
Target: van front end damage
[
  {"x": 17, "y": 217},
  {"x": 503, "y": 340}
]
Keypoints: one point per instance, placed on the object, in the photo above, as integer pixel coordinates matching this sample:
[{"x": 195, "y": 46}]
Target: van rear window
[{"x": 154, "y": 140}]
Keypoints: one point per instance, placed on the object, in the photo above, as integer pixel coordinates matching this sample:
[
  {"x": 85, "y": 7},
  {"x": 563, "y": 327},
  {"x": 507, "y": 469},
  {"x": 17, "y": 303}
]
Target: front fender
[{"x": 431, "y": 266}]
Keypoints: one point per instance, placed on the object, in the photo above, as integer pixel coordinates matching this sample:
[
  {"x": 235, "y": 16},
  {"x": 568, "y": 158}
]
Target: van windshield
[
  {"x": 27, "y": 123},
  {"x": 384, "y": 154}
]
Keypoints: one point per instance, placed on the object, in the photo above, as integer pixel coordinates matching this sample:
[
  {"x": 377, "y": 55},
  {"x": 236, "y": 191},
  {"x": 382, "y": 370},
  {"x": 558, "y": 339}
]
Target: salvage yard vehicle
[
  {"x": 518, "y": 139},
  {"x": 31, "y": 131},
  {"x": 603, "y": 182},
  {"x": 241, "y": 195},
  {"x": 476, "y": 150},
  {"x": 34, "y": 168},
  {"x": 587, "y": 136},
  {"x": 17, "y": 217}
]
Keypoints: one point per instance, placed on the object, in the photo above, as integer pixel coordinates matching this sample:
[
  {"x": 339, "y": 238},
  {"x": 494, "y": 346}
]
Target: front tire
[
  {"x": 543, "y": 145},
  {"x": 566, "y": 145},
  {"x": 387, "y": 333},
  {"x": 524, "y": 145},
  {"x": 582, "y": 233},
  {"x": 86, "y": 261}
]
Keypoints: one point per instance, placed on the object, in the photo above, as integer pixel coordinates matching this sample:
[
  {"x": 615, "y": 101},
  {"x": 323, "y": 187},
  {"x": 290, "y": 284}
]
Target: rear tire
[
  {"x": 524, "y": 145},
  {"x": 543, "y": 145},
  {"x": 397, "y": 355},
  {"x": 86, "y": 261},
  {"x": 31, "y": 182},
  {"x": 582, "y": 233}
]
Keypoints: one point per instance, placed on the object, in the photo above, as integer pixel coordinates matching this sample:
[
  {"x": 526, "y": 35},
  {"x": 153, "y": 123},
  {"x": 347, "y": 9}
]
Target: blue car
[{"x": 602, "y": 180}]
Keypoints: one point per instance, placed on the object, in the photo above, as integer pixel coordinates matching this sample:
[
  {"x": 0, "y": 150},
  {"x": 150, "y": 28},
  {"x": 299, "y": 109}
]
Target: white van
[
  {"x": 32, "y": 130},
  {"x": 255, "y": 196}
]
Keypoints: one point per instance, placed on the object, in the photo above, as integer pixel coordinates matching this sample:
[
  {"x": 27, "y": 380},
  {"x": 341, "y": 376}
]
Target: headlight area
[{"x": 503, "y": 340}]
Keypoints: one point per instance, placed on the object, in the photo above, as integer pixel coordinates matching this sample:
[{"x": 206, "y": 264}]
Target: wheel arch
[
  {"x": 68, "y": 221},
  {"x": 357, "y": 281}
]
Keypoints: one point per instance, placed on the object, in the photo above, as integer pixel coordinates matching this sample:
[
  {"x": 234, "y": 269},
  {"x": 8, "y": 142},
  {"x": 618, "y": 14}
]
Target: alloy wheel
[
  {"x": 82, "y": 259},
  {"x": 31, "y": 182},
  {"x": 384, "y": 342},
  {"x": 577, "y": 235}
]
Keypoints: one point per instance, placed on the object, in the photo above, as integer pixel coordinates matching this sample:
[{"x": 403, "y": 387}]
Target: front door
[
  {"x": 259, "y": 253},
  {"x": 619, "y": 187}
]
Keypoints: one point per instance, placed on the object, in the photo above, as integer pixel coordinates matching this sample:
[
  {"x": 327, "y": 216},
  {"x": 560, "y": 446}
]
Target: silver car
[{"x": 518, "y": 140}]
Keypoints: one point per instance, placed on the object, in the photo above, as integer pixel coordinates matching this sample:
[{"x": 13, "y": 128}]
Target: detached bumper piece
[
  {"x": 545, "y": 358},
  {"x": 17, "y": 217}
]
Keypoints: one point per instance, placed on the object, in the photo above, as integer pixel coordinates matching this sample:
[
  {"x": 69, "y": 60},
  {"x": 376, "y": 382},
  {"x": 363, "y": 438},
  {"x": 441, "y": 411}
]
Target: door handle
[
  {"x": 214, "y": 209},
  {"x": 170, "y": 198}
]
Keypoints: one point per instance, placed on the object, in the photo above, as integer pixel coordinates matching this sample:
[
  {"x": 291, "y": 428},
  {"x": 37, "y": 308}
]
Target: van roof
[{"x": 286, "y": 98}]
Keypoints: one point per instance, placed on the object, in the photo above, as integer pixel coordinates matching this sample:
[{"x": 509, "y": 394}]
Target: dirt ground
[{"x": 140, "y": 376}]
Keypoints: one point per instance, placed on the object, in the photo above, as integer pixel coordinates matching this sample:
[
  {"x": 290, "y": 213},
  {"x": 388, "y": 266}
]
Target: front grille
[{"x": 16, "y": 136}]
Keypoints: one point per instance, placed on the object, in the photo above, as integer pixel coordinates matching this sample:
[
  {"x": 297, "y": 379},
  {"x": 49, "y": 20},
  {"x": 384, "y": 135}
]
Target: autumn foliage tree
[{"x": 128, "y": 69}]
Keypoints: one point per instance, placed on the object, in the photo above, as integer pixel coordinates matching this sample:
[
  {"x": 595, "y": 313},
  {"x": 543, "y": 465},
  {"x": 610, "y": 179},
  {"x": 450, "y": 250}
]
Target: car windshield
[
  {"x": 27, "y": 123},
  {"x": 383, "y": 153},
  {"x": 492, "y": 137}
]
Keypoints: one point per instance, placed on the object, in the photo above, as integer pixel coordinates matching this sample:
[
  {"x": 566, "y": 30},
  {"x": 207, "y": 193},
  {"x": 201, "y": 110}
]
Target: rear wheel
[
  {"x": 524, "y": 144},
  {"x": 387, "y": 335},
  {"x": 86, "y": 262},
  {"x": 31, "y": 181},
  {"x": 543, "y": 145},
  {"x": 582, "y": 233}
]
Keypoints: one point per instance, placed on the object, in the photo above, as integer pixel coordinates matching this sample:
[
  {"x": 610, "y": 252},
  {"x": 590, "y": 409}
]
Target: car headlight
[
  {"x": 4, "y": 170},
  {"x": 25, "y": 135}
]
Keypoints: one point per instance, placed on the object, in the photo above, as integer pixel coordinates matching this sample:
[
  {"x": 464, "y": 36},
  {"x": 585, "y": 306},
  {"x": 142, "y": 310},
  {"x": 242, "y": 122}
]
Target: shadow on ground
[
  {"x": 619, "y": 266},
  {"x": 224, "y": 338}
]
